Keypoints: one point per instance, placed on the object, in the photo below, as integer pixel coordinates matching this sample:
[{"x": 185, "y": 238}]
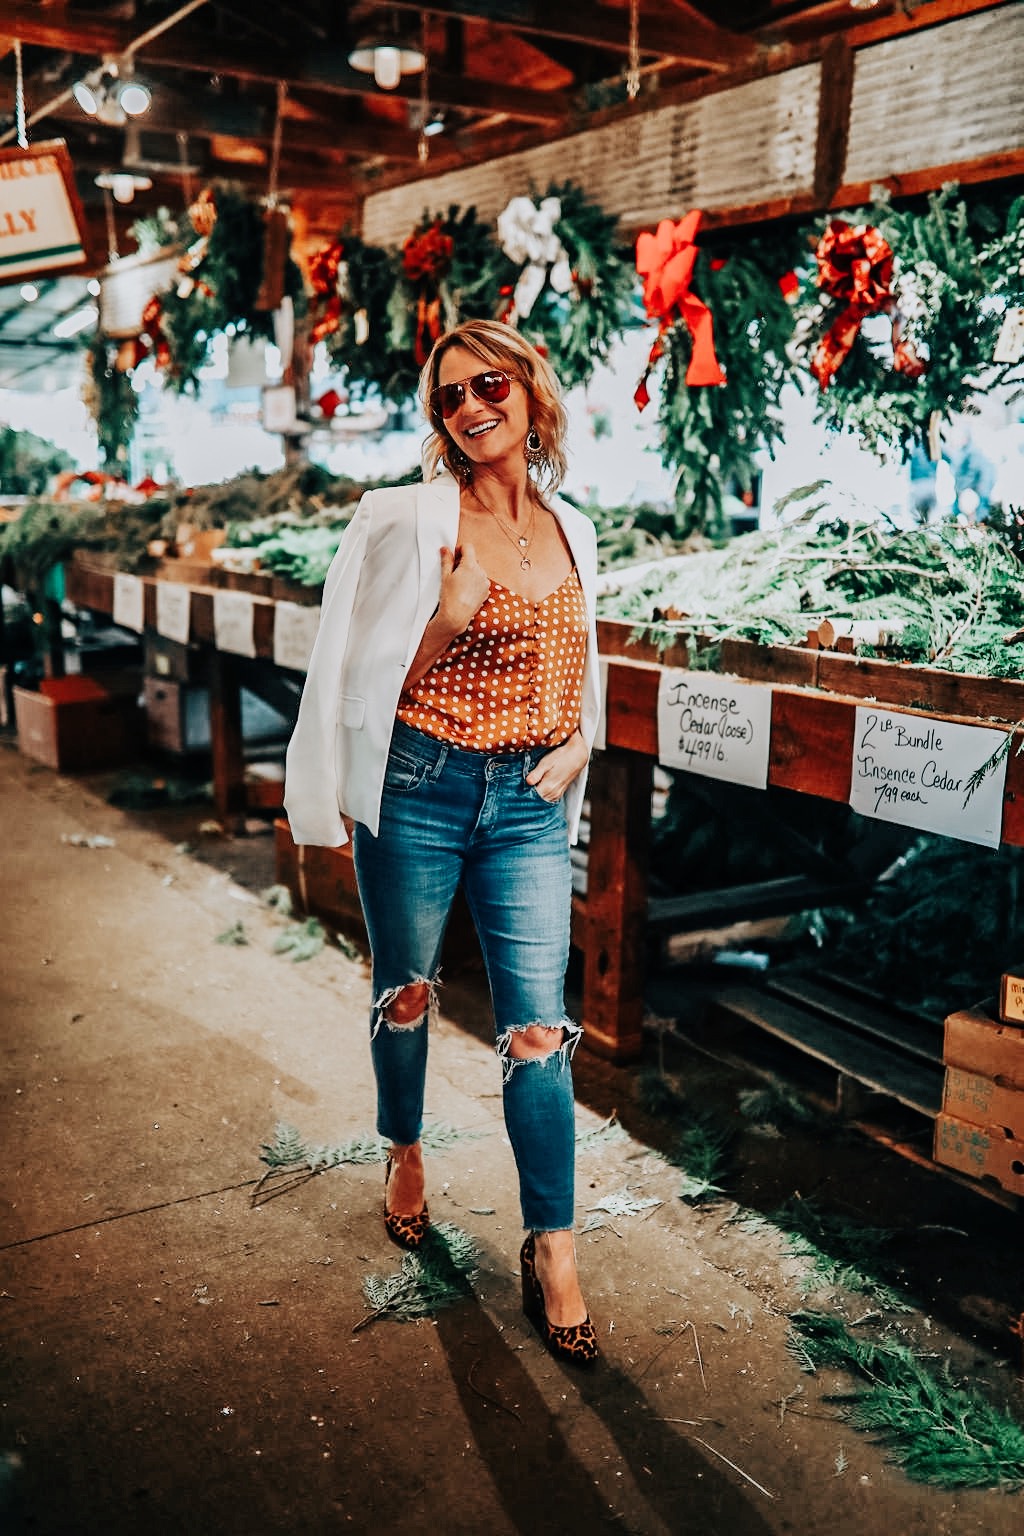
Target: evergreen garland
[
  {"x": 712, "y": 434},
  {"x": 111, "y": 401},
  {"x": 222, "y": 271},
  {"x": 450, "y": 269}
]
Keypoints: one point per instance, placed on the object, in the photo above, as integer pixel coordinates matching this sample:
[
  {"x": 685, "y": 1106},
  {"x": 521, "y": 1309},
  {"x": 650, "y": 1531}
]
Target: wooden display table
[{"x": 814, "y": 698}]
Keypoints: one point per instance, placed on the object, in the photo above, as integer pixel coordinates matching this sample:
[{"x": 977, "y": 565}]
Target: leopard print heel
[
  {"x": 407, "y": 1231},
  {"x": 575, "y": 1343}
]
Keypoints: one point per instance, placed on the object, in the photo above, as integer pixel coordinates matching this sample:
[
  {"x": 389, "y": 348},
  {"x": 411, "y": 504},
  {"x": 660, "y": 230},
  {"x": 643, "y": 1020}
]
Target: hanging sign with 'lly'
[{"x": 41, "y": 222}]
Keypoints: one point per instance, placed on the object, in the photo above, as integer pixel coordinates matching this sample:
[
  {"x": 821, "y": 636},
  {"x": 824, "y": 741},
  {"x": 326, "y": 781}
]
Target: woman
[{"x": 450, "y": 705}]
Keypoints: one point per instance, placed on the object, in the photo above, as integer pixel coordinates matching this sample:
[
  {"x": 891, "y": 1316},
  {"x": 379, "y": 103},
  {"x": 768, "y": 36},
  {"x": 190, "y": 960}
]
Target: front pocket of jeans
[
  {"x": 534, "y": 790},
  {"x": 403, "y": 773}
]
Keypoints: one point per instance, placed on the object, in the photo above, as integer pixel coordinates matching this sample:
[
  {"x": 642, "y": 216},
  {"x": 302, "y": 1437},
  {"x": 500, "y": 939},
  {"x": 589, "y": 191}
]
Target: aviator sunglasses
[{"x": 491, "y": 387}]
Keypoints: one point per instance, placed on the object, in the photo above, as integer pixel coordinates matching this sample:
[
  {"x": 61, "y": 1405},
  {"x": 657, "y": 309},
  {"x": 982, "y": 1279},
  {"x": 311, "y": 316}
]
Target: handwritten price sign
[
  {"x": 915, "y": 771},
  {"x": 714, "y": 726}
]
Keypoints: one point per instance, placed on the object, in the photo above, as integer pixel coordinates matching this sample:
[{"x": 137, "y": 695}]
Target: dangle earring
[
  {"x": 533, "y": 448},
  {"x": 458, "y": 463}
]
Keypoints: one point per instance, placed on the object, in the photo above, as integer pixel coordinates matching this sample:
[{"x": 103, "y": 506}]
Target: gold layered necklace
[{"x": 521, "y": 541}]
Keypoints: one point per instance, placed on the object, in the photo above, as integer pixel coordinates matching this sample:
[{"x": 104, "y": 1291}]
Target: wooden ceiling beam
[
  {"x": 317, "y": 135},
  {"x": 693, "y": 40},
  {"x": 188, "y": 49}
]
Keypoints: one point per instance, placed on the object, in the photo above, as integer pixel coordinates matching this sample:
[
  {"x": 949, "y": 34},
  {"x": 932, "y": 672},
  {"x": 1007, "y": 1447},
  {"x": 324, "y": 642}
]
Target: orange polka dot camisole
[{"x": 513, "y": 678}]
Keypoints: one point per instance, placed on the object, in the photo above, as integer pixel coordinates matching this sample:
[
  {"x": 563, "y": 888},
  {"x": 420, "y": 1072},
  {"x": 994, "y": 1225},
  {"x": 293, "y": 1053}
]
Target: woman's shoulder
[
  {"x": 411, "y": 493},
  {"x": 571, "y": 517}
]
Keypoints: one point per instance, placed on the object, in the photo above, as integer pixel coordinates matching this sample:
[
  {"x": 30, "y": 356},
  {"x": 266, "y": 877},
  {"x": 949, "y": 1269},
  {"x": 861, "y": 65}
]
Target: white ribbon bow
[{"x": 527, "y": 234}]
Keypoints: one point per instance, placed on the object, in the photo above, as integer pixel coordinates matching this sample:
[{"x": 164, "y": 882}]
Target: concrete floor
[{"x": 182, "y": 1357}]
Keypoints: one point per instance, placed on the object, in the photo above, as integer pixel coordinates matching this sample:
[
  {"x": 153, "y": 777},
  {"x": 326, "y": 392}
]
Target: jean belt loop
[{"x": 439, "y": 761}]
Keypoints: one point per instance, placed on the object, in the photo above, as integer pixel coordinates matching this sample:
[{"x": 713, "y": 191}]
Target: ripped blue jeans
[{"x": 451, "y": 815}]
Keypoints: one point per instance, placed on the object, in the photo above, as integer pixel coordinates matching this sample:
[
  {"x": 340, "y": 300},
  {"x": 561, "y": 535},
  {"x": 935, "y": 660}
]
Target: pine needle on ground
[
  {"x": 938, "y": 1431},
  {"x": 433, "y": 1277}
]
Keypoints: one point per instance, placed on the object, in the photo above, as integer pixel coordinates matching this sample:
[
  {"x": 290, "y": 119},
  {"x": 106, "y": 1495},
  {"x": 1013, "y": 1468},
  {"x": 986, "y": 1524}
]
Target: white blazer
[{"x": 383, "y": 586}]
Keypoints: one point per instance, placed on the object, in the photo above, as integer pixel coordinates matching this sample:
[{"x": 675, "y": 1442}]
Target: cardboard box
[
  {"x": 978, "y": 1042},
  {"x": 75, "y": 724},
  {"x": 981, "y": 1152},
  {"x": 984, "y": 1101},
  {"x": 1011, "y": 996}
]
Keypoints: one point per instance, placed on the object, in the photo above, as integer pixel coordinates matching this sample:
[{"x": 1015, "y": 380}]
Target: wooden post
[
  {"x": 615, "y": 913},
  {"x": 226, "y": 742}
]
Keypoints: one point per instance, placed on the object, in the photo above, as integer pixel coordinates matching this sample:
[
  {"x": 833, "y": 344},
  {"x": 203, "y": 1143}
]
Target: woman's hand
[
  {"x": 464, "y": 587},
  {"x": 557, "y": 768}
]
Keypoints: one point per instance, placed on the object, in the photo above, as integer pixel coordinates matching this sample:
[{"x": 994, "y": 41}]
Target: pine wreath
[
  {"x": 589, "y": 295},
  {"x": 450, "y": 269},
  {"x": 956, "y": 269},
  {"x": 712, "y": 434},
  {"x": 221, "y": 273},
  {"x": 361, "y": 343}
]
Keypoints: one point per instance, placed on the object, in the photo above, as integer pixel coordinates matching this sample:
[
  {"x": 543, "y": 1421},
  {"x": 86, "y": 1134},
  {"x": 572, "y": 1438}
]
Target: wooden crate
[
  {"x": 75, "y": 724},
  {"x": 981, "y": 1128}
]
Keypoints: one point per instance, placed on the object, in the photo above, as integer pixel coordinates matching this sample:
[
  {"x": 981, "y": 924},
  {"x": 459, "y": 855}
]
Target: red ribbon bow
[
  {"x": 426, "y": 257},
  {"x": 854, "y": 264},
  {"x": 665, "y": 261},
  {"x": 323, "y": 276}
]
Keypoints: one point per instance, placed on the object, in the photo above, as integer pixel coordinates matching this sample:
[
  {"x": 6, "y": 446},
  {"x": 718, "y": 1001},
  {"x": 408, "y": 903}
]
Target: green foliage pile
[
  {"x": 938, "y": 931},
  {"x": 28, "y": 463},
  {"x": 48, "y": 532},
  {"x": 957, "y": 589}
]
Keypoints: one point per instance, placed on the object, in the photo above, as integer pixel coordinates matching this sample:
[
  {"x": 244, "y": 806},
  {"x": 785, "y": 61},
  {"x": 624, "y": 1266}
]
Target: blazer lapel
[{"x": 437, "y": 524}]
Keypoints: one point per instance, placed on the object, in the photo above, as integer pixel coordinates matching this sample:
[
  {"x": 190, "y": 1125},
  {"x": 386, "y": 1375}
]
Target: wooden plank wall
[{"x": 937, "y": 103}]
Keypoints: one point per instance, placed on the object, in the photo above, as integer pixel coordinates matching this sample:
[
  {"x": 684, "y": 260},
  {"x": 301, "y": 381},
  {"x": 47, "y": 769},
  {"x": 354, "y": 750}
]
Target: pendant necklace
[{"x": 521, "y": 541}]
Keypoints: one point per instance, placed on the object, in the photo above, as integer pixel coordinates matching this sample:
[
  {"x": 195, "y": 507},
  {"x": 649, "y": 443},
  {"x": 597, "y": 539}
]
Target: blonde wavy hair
[{"x": 498, "y": 346}]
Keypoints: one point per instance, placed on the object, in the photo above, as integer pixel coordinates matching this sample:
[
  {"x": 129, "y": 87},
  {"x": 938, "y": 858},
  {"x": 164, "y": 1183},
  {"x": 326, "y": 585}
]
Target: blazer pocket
[{"x": 352, "y": 712}]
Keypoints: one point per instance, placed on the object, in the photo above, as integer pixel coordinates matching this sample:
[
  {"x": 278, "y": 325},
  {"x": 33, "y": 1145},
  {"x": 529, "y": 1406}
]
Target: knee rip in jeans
[
  {"x": 407, "y": 1006},
  {"x": 565, "y": 1036}
]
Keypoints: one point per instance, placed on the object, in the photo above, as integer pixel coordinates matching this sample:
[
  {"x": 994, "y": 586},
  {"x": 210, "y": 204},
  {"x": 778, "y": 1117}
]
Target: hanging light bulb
[
  {"x": 123, "y": 185},
  {"x": 387, "y": 56},
  {"x": 387, "y": 67}
]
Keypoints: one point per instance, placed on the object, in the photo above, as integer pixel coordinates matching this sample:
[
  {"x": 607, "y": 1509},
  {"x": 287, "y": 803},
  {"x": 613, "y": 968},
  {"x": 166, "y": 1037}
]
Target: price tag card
[
  {"x": 128, "y": 601},
  {"x": 918, "y": 772},
  {"x": 173, "y": 611},
  {"x": 714, "y": 726},
  {"x": 295, "y": 627},
  {"x": 232, "y": 622},
  {"x": 601, "y": 739}
]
